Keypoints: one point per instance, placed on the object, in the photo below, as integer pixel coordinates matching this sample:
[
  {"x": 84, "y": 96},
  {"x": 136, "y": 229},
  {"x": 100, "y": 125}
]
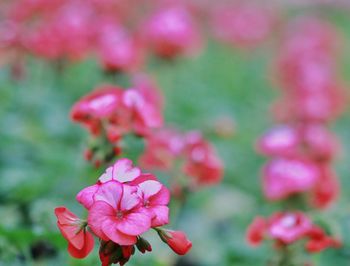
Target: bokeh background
[{"x": 41, "y": 162}]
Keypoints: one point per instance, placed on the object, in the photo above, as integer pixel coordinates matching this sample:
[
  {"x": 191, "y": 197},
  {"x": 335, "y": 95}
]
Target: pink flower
[
  {"x": 117, "y": 214},
  {"x": 289, "y": 227},
  {"x": 102, "y": 103},
  {"x": 122, "y": 171},
  {"x": 281, "y": 140},
  {"x": 256, "y": 231},
  {"x": 242, "y": 25},
  {"x": 202, "y": 163},
  {"x": 118, "y": 50},
  {"x": 163, "y": 147},
  {"x": 284, "y": 177},
  {"x": 155, "y": 197},
  {"x": 176, "y": 240},
  {"x": 327, "y": 188},
  {"x": 119, "y": 111},
  {"x": 171, "y": 31},
  {"x": 320, "y": 143},
  {"x": 80, "y": 241}
]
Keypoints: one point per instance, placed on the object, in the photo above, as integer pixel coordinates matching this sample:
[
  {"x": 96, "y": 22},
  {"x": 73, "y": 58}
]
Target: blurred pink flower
[
  {"x": 118, "y": 49},
  {"x": 281, "y": 140},
  {"x": 242, "y": 25},
  {"x": 285, "y": 177},
  {"x": 171, "y": 31},
  {"x": 289, "y": 227},
  {"x": 202, "y": 163}
]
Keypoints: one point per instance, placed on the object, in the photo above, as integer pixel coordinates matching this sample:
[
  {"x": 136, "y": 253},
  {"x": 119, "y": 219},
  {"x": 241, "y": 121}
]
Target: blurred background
[{"x": 224, "y": 87}]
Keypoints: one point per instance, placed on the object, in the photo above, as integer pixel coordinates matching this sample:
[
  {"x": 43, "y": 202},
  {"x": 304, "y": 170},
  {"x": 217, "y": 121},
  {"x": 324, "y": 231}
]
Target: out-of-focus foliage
[{"x": 41, "y": 164}]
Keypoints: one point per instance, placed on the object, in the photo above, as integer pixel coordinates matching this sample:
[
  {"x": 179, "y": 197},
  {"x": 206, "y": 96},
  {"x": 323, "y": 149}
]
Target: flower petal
[
  {"x": 110, "y": 192},
  {"x": 161, "y": 215},
  {"x": 135, "y": 223},
  {"x": 110, "y": 229},
  {"x": 130, "y": 198},
  {"x": 86, "y": 196},
  {"x": 161, "y": 198},
  {"x": 150, "y": 188},
  {"x": 107, "y": 175},
  {"x": 123, "y": 171},
  {"x": 99, "y": 212}
]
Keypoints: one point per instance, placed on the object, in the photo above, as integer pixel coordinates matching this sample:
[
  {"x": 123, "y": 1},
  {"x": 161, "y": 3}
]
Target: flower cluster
[
  {"x": 242, "y": 24},
  {"x": 110, "y": 113},
  {"x": 123, "y": 204},
  {"x": 288, "y": 228},
  {"x": 302, "y": 146},
  {"x": 117, "y": 33},
  {"x": 186, "y": 154}
]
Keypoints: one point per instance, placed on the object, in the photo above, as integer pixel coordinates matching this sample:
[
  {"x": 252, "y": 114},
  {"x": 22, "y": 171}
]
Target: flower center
[{"x": 119, "y": 214}]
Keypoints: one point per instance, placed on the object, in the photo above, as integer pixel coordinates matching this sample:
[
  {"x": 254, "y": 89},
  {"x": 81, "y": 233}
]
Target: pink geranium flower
[
  {"x": 163, "y": 147},
  {"x": 122, "y": 171},
  {"x": 289, "y": 227},
  {"x": 202, "y": 163},
  {"x": 80, "y": 241},
  {"x": 171, "y": 31},
  {"x": 242, "y": 25},
  {"x": 320, "y": 143},
  {"x": 118, "y": 49},
  {"x": 117, "y": 214},
  {"x": 284, "y": 177},
  {"x": 155, "y": 197},
  {"x": 102, "y": 103},
  {"x": 281, "y": 140}
]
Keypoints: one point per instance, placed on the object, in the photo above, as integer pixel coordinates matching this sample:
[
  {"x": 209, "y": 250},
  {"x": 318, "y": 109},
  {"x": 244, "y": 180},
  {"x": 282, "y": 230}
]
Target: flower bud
[{"x": 176, "y": 240}]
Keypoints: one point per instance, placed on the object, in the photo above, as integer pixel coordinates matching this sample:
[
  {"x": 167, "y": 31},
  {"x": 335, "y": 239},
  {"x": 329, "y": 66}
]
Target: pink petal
[
  {"x": 161, "y": 198},
  {"x": 135, "y": 224},
  {"x": 143, "y": 178},
  {"x": 86, "y": 196},
  {"x": 110, "y": 192},
  {"x": 130, "y": 198},
  {"x": 99, "y": 212},
  {"x": 161, "y": 215},
  {"x": 150, "y": 188},
  {"x": 124, "y": 172},
  {"x": 107, "y": 175},
  {"x": 110, "y": 229}
]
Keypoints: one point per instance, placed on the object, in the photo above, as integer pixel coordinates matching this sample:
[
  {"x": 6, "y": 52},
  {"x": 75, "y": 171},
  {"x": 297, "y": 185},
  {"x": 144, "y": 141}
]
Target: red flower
[
  {"x": 256, "y": 231},
  {"x": 319, "y": 241},
  {"x": 80, "y": 241}
]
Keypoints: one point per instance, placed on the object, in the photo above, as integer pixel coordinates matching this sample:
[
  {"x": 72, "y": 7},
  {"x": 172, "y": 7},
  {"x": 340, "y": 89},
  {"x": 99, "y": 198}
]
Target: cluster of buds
[
  {"x": 302, "y": 145},
  {"x": 188, "y": 155},
  {"x": 123, "y": 204},
  {"x": 110, "y": 113},
  {"x": 287, "y": 228}
]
